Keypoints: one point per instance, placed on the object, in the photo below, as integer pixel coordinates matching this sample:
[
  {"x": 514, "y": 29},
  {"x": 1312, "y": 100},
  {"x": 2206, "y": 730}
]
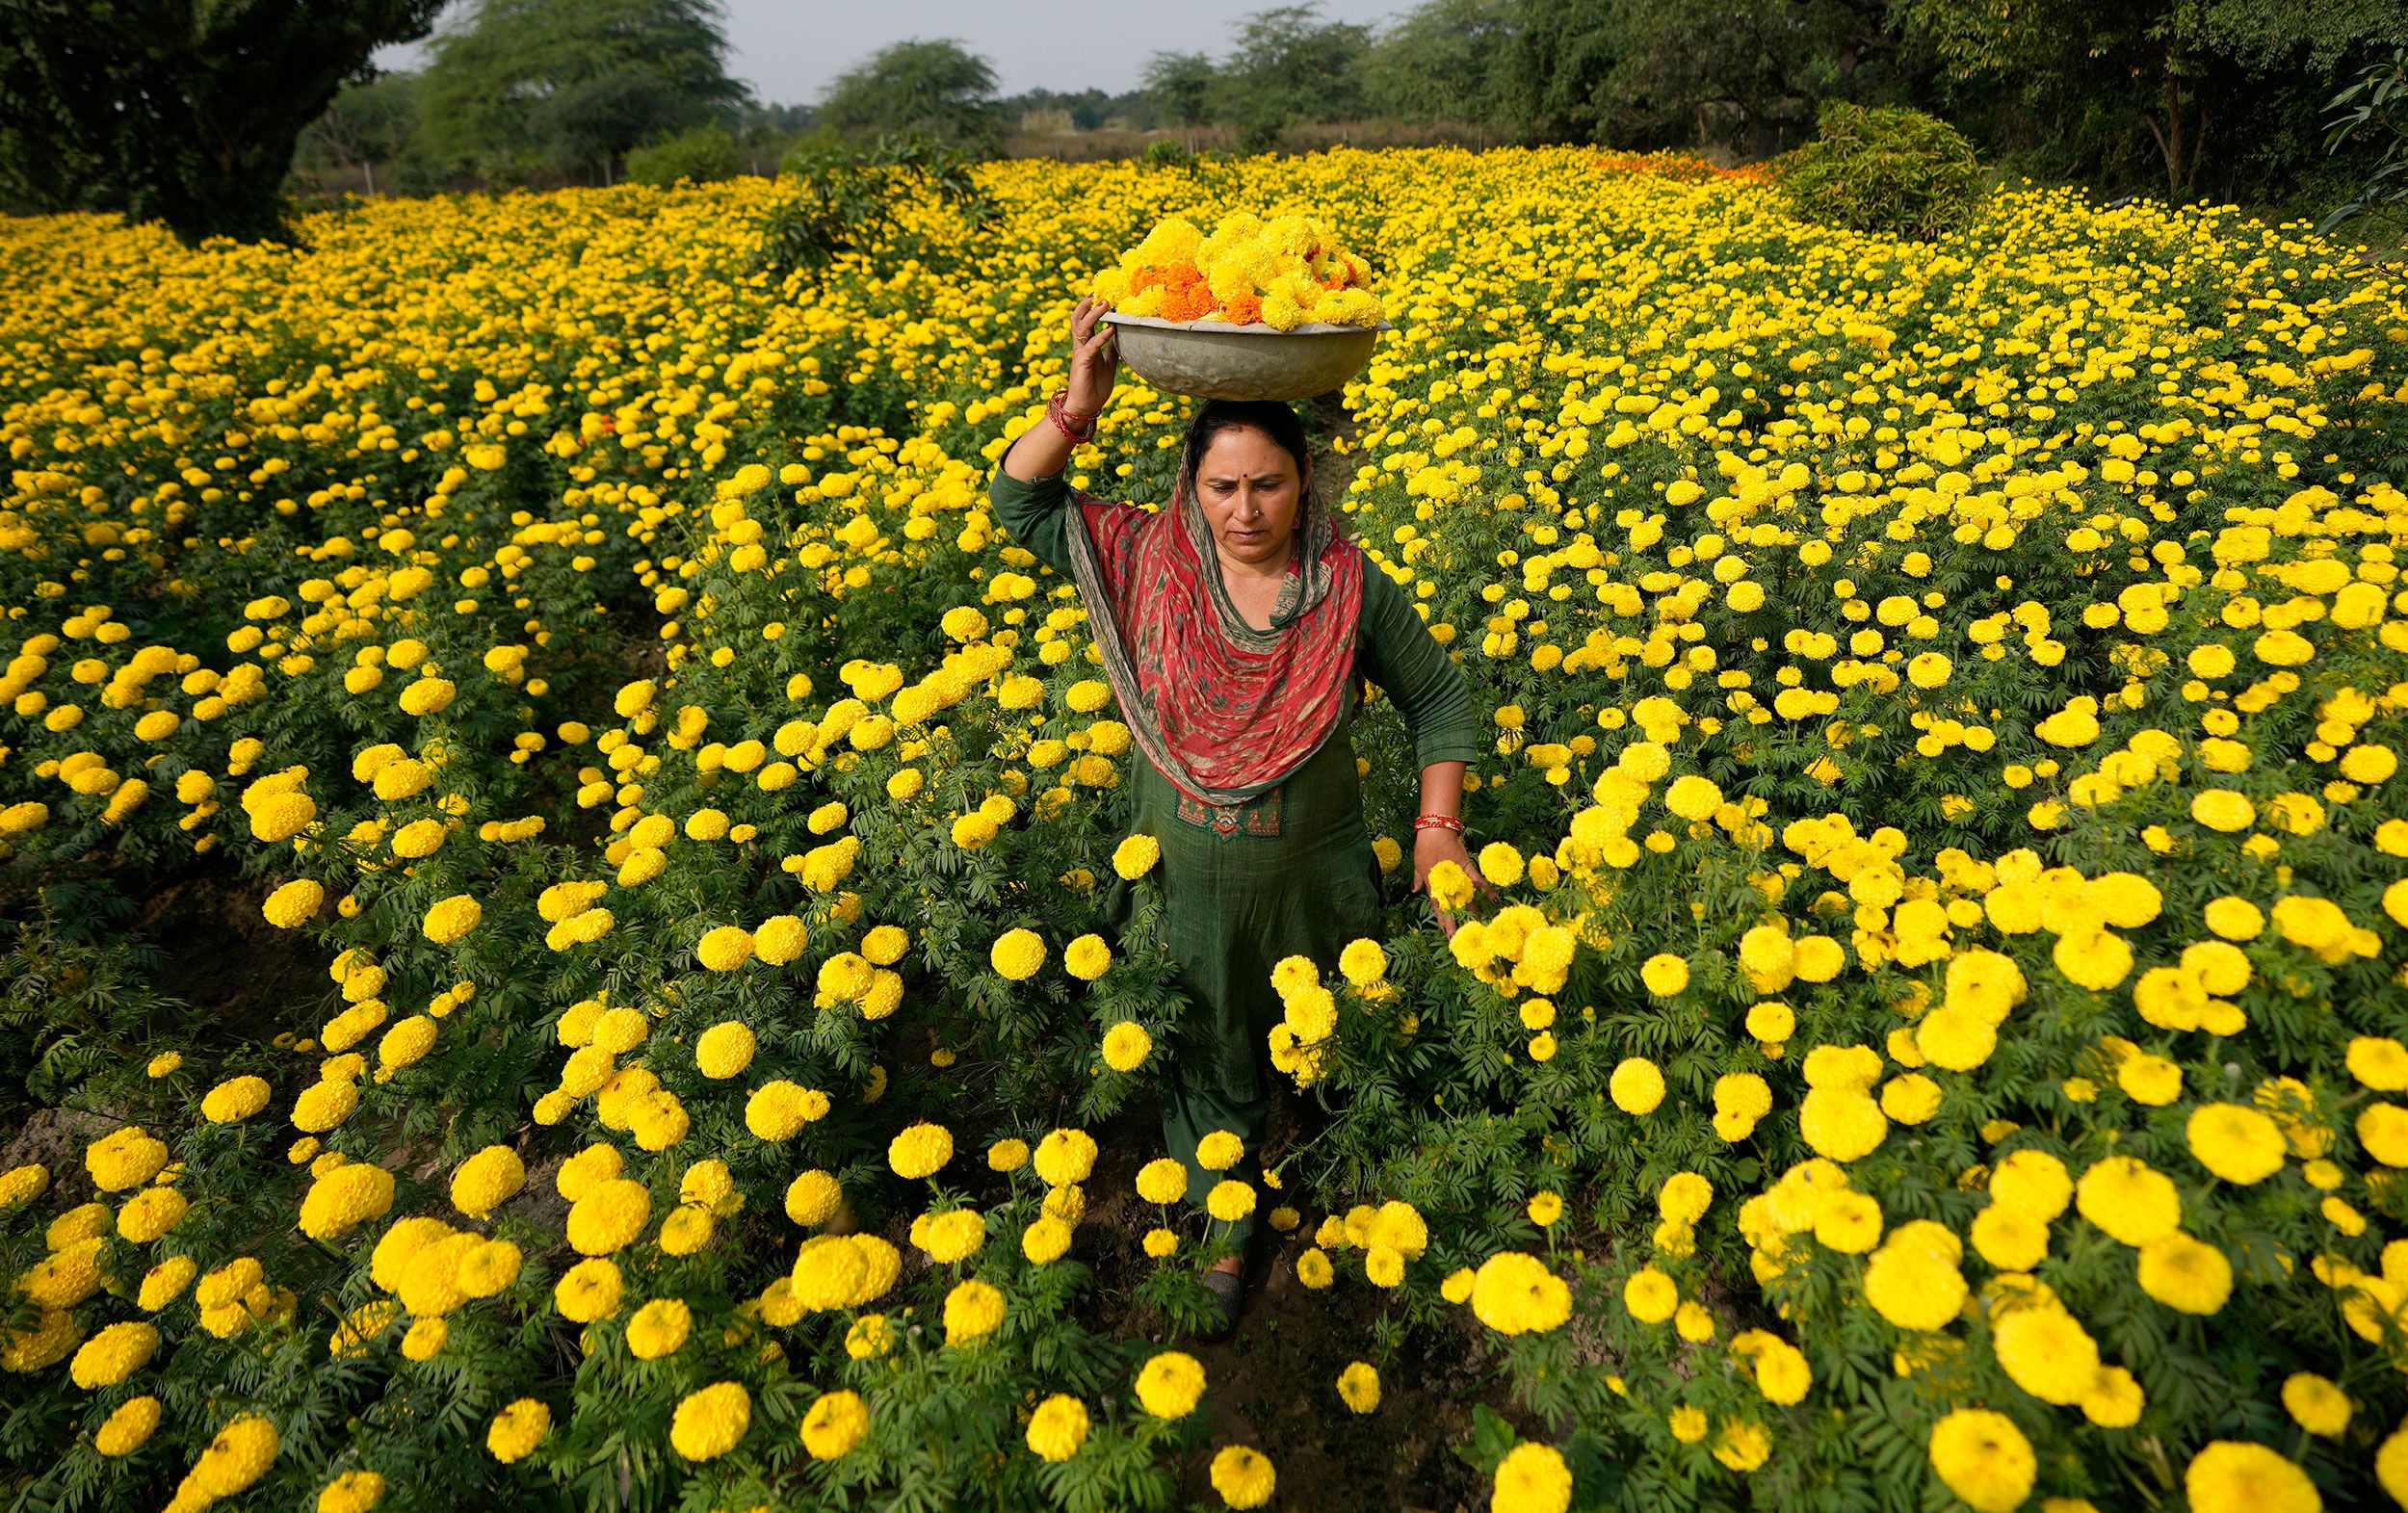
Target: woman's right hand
[{"x": 1094, "y": 358}]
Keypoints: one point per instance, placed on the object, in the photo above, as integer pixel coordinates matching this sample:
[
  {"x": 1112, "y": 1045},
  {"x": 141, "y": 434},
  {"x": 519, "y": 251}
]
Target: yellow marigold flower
[
  {"x": 1162, "y": 1181},
  {"x": 449, "y": 919},
  {"x": 427, "y": 696},
  {"x": 1636, "y": 1085},
  {"x": 1532, "y": 1479},
  {"x": 352, "y": 1492},
  {"x": 724, "y": 948},
  {"x": 1219, "y": 1151},
  {"x": 517, "y": 1429},
  {"x": 1229, "y": 1201},
  {"x": 2237, "y": 1477},
  {"x": 2238, "y": 1143},
  {"x": 2186, "y": 1275},
  {"x": 834, "y": 1424},
  {"x": 1065, "y": 1157},
  {"x": 2046, "y": 1351},
  {"x": 128, "y": 1426},
  {"x": 166, "y": 1282},
  {"x": 587, "y": 1290},
  {"x": 1086, "y": 959},
  {"x": 1450, "y": 886},
  {"x": 920, "y": 1149},
  {"x": 1135, "y": 855},
  {"x": 1243, "y": 1475},
  {"x": 114, "y": 1354},
  {"x": 1665, "y": 974},
  {"x": 235, "y": 1099},
  {"x": 344, "y": 1198},
  {"x": 2223, "y": 809},
  {"x": 2317, "y": 1404},
  {"x": 1058, "y": 1427},
  {"x": 238, "y": 1457},
  {"x": 1046, "y": 1240},
  {"x": 609, "y": 1216},
  {"x": 324, "y": 1105},
  {"x": 973, "y": 1310},
  {"x": 1984, "y": 1459},
  {"x": 1515, "y": 1293},
  {"x": 724, "y": 1050},
  {"x": 1126, "y": 1046},
  {"x": 126, "y": 1157},
  {"x": 294, "y": 904},
  {"x": 1170, "y": 1384},
  {"x": 710, "y": 1423},
  {"x": 2127, "y": 1200},
  {"x": 150, "y": 1213},
  {"x": 1017, "y": 954}
]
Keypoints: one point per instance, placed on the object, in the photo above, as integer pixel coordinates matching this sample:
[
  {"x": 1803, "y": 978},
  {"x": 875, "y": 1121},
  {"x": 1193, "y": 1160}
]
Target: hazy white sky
[{"x": 788, "y": 50}]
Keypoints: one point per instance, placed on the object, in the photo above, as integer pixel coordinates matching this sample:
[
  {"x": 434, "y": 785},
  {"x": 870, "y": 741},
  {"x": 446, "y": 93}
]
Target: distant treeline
[{"x": 2223, "y": 99}]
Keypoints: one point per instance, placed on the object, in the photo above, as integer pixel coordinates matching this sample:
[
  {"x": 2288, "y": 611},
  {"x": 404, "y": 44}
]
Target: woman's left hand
[{"x": 1438, "y": 845}]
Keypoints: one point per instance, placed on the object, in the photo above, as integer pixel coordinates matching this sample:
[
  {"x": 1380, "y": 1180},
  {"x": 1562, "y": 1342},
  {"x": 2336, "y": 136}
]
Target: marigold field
[{"x": 1936, "y": 1038}]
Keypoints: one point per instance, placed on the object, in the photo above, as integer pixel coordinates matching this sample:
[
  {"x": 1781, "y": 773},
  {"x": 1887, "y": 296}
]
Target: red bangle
[
  {"x": 1438, "y": 822},
  {"x": 1057, "y": 411}
]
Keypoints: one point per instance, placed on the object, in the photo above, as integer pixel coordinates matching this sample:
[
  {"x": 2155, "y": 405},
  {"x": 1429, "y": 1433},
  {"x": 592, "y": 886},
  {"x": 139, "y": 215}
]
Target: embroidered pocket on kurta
[{"x": 1258, "y": 815}]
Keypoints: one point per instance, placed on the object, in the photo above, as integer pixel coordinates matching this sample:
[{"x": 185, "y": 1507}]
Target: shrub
[
  {"x": 1168, "y": 152},
  {"x": 1889, "y": 170},
  {"x": 703, "y": 154},
  {"x": 847, "y": 199}
]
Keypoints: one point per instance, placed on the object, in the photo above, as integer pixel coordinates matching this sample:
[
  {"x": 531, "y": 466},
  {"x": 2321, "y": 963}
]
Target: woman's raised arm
[
  {"x": 1028, "y": 491},
  {"x": 1042, "y": 450}
]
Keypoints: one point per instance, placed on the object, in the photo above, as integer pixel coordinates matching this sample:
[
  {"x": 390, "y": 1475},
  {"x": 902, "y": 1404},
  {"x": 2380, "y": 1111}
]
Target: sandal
[{"x": 1228, "y": 1290}]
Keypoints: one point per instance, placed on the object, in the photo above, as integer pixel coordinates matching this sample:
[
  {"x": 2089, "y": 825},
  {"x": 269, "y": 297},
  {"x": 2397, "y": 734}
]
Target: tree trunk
[
  {"x": 370, "y": 164},
  {"x": 2169, "y": 137}
]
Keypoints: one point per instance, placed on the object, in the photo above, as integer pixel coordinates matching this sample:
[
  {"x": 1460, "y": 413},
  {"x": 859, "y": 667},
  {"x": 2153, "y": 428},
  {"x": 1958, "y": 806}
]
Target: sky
[{"x": 790, "y": 50}]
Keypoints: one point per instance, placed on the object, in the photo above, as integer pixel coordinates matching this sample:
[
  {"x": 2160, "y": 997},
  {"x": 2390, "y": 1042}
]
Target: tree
[
  {"x": 2167, "y": 74},
  {"x": 1649, "y": 73},
  {"x": 1292, "y": 65},
  {"x": 1558, "y": 84},
  {"x": 572, "y": 84},
  {"x": 367, "y": 125},
  {"x": 178, "y": 111},
  {"x": 1445, "y": 61},
  {"x": 939, "y": 89},
  {"x": 1748, "y": 73},
  {"x": 1182, "y": 86}
]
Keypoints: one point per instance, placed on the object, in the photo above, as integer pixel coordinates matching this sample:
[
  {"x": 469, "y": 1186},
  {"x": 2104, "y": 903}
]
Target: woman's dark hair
[{"x": 1275, "y": 419}]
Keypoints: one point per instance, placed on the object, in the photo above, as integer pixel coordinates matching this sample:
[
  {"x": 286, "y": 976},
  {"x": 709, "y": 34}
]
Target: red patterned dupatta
[{"x": 1223, "y": 711}]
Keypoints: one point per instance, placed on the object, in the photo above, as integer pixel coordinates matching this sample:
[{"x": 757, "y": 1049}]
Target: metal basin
[{"x": 1213, "y": 360}]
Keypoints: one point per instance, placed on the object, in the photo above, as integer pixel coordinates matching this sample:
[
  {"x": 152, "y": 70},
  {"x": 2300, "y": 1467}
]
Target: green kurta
[{"x": 1294, "y": 874}]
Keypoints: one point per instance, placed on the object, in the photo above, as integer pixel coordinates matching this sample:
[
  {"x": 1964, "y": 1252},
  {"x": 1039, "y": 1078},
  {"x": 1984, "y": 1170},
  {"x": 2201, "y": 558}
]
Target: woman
[{"x": 1236, "y": 629}]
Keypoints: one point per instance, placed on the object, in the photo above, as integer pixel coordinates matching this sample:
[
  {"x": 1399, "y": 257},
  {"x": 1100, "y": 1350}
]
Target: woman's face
[{"x": 1249, "y": 491}]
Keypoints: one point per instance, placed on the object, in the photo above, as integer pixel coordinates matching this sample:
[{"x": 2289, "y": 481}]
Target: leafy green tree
[
  {"x": 1558, "y": 83},
  {"x": 1183, "y": 86},
  {"x": 2170, "y": 77},
  {"x": 367, "y": 125},
  {"x": 1648, "y": 73},
  {"x": 1746, "y": 73},
  {"x": 1445, "y": 61},
  {"x": 184, "y": 111},
  {"x": 1291, "y": 64},
  {"x": 572, "y": 86},
  {"x": 938, "y": 88}
]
